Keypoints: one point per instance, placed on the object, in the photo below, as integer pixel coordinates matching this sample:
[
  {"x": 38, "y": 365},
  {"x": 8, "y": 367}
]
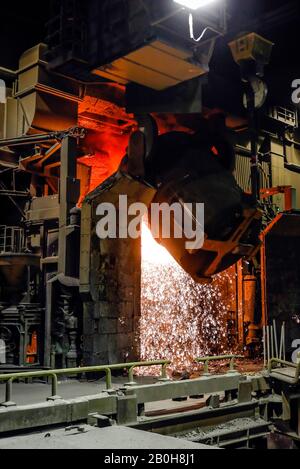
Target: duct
[
  {"x": 158, "y": 66},
  {"x": 8, "y": 159},
  {"x": 42, "y": 209},
  {"x": 6, "y": 73},
  {"x": 131, "y": 42},
  {"x": 29, "y": 140},
  {"x": 37, "y": 95}
]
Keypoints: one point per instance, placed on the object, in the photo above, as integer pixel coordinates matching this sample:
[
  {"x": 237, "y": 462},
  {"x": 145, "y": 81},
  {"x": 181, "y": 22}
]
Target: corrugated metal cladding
[{"x": 243, "y": 173}]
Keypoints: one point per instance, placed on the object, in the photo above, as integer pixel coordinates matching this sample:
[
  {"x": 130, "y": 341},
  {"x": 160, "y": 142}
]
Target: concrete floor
[{"x": 86, "y": 437}]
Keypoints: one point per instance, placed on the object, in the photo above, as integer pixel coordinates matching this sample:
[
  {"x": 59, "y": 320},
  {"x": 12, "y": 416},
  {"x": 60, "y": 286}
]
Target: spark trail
[{"x": 181, "y": 319}]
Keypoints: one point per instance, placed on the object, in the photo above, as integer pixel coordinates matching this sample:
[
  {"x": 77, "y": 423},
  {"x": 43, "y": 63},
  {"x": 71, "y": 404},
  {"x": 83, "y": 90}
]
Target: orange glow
[
  {"x": 152, "y": 252},
  {"x": 106, "y": 151},
  {"x": 32, "y": 350},
  {"x": 106, "y": 148},
  {"x": 215, "y": 151},
  {"x": 180, "y": 319},
  {"x": 109, "y": 128}
]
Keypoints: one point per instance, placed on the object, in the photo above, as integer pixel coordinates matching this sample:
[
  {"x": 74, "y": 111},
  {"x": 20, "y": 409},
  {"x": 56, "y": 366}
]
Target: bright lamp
[{"x": 194, "y": 4}]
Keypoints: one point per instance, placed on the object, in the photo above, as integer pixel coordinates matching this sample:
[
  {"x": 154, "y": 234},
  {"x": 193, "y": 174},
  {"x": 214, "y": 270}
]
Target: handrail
[
  {"x": 287, "y": 364},
  {"x": 107, "y": 369},
  {"x": 206, "y": 361}
]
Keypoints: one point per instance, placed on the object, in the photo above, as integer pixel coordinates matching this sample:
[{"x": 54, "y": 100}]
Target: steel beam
[
  {"x": 68, "y": 197},
  {"x": 175, "y": 389}
]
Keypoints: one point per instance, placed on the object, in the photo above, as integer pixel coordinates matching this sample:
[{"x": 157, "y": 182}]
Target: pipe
[
  {"x": 8, "y": 392},
  {"x": 164, "y": 375},
  {"x": 275, "y": 337},
  {"x": 107, "y": 369},
  {"x": 131, "y": 377},
  {"x": 282, "y": 352},
  {"x": 206, "y": 361},
  {"x": 8, "y": 73},
  {"x": 30, "y": 140},
  {"x": 268, "y": 343},
  {"x": 272, "y": 341},
  {"x": 108, "y": 379},
  {"x": 281, "y": 346},
  {"x": 265, "y": 346},
  {"x": 284, "y": 344},
  {"x": 11, "y": 193},
  {"x": 54, "y": 387}
]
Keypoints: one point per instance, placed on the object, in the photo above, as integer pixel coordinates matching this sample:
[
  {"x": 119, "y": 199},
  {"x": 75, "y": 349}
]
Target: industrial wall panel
[
  {"x": 282, "y": 246},
  {"x": 243, "y": 173}
]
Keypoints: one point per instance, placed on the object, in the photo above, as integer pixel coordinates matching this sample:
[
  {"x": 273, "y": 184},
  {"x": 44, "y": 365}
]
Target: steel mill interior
[{"x": 150, "y": 225}]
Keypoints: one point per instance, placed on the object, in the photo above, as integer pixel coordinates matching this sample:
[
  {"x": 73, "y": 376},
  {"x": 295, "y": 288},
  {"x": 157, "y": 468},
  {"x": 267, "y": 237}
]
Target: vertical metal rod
[
  {"x": 164, "y": 374},
  {"x": 272, "y": 341},
  {"x": 255, "y": 173},
  {"x": 265, "y": 346},
  {"x": 53, "y": 360},
  {"x": 54, "y": 385},
  {"x": 284, "y": 344},
  {"x": 281, "y": 344},
  {"x": 28, "y": 282},
  {"x": 108, "y": 379},
  {"x": 268, "y": 343},
  {"x": 8, "y": 391},
  {"x": 130, "y": 375},
  {"x": 275, "y": 337}
]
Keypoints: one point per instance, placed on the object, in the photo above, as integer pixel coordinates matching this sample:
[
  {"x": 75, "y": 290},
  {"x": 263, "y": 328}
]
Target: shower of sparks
[{"x": 181, "y": 320}]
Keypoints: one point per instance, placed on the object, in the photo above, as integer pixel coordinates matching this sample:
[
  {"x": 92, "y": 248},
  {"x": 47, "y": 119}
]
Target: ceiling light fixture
[{"x": 194, "y": 4}]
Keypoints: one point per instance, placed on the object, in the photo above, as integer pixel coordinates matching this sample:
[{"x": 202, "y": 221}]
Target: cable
[{"x": 192, "y": 33}]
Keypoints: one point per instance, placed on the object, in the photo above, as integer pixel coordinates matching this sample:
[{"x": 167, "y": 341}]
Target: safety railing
[
  {"x": 9, "y": 379},
  {"x": 276, "y": 361},
  {"x": 207, "y": 360},
  {"x": 11, "y": 239}
]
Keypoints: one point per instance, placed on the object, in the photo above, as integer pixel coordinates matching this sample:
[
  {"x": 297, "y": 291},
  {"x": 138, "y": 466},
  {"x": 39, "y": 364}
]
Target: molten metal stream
[{"x": 181, "y": 319}]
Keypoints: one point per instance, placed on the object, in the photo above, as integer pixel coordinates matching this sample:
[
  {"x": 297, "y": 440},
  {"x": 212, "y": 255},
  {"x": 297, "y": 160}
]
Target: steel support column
[{"x": 68, "y": 197}]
